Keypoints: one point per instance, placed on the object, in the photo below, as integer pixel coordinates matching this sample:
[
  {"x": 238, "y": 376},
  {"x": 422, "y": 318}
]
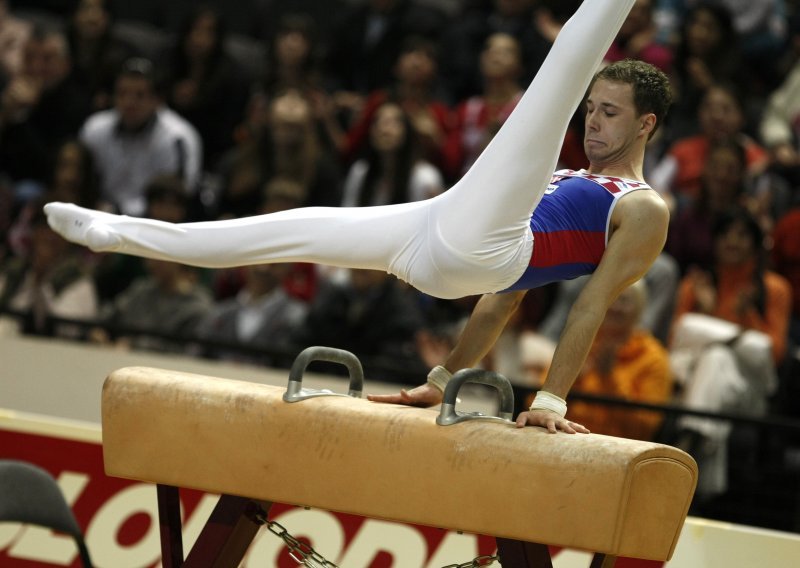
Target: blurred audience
[
  {"x": 415, "y": 91},
  {"x": 14, "y": 34},
  {"x": 729, "y": 336},
  {"x": 707, "y": 53},
  {"x": 720, "y": 116},
  {"x": 287, "y": 145},
  {"x": 662, "y": 284},
  {"x": 479, "y": 117},
  {"x": 533, "y": 24},
  {"x": 261, "y": 316},
  {"x": 722, "y": 186},
  {"x": 73, "y": 180},
  {"x": 786, "y": 262},
  {"x": 53, "y": 280},
  {"x": 204, "y": 84},
  {"x": 367, "y": 38},
  {"x": 96, "y": 53},
  {"x": 638, "y": 39},
  {"x": 371, "y": 314},
  {"x": 40, "y": 107}
]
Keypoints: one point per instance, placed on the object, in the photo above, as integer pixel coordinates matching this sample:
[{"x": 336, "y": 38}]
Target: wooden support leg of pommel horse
[
  {"x": 610, "y": 496},
  {"x": 225, "y": 538}
]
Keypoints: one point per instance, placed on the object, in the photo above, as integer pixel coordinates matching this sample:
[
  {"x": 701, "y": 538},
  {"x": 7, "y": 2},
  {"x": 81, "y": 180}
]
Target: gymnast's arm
[
  {"x": 639, "y": 230},
  {"x": 486, "y": 323}
]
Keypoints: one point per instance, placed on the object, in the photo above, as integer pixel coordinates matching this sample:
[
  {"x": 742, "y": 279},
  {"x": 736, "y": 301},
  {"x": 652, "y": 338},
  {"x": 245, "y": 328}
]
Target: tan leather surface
[{"x": 394, "y": 462}]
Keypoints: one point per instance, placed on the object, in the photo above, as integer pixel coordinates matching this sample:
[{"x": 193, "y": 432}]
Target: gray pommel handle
[
  {"x": 448, "y": 414},
  {"x": 295, "y": 391}
]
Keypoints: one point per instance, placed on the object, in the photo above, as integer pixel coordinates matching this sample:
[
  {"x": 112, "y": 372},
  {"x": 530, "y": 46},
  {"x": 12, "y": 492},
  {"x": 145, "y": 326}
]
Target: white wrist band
[
  {"x": 439, "y": 377},
  {"x": 548, "y": 401}
]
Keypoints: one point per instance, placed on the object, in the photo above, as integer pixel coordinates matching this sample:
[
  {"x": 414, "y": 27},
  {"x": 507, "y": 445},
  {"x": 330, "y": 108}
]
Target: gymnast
[{"x": 510, "y": 224}]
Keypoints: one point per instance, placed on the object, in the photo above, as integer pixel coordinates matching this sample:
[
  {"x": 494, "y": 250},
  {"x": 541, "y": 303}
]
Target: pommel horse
[{"x": 256, "y": 444}]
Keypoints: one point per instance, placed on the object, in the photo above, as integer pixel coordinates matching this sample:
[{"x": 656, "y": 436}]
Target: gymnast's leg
[{"x": 474, "y": 238}]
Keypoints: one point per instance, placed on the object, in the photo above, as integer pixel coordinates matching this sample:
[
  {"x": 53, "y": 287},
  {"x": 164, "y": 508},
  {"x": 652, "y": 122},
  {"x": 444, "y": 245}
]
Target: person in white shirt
[{"x": 138, "y": 139}]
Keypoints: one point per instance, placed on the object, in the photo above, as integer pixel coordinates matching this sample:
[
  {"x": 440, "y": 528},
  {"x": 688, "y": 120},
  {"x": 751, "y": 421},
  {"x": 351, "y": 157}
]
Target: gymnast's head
[{"x": 649, "y": 98}]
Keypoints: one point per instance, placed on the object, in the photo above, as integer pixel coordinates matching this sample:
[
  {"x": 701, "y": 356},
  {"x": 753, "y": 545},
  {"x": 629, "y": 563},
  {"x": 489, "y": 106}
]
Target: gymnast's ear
[{"x": 647, "y": 123}]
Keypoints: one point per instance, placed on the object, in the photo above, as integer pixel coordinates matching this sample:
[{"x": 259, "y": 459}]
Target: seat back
[{"x": 29, "y": 494}]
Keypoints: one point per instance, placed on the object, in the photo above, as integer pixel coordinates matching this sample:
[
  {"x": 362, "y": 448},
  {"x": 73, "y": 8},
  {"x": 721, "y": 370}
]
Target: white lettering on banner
[
  {"x": 8, "y": 533},
  {"x": 572, "y": 559},
  {"x": 405, "y": 544},
  {"x": 38, "y": 543},
  {"x": 101, "y": 536},
  {"x": 322, "y": 529},
  {"x": 454, "y": 548}
]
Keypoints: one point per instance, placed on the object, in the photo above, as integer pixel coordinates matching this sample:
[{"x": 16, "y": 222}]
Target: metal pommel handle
[
  {"x": 448, "y": 414},
  {"x": 295, "y": 391}
]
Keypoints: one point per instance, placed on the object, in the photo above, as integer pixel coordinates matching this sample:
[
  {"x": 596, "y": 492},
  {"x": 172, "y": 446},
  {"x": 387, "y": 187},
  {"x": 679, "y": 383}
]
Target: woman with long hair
[{"x": 391, "y": 170}]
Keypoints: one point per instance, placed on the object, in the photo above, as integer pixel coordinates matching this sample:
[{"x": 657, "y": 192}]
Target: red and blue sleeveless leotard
[{"x": 570, "y": 226}]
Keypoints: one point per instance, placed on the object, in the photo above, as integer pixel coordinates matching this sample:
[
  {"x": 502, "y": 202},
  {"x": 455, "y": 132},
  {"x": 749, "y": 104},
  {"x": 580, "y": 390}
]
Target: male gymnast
[{"x": 508, "y": 225}]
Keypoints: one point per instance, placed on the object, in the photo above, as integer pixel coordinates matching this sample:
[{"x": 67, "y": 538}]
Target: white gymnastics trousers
[{"x": 474, "y": 238}]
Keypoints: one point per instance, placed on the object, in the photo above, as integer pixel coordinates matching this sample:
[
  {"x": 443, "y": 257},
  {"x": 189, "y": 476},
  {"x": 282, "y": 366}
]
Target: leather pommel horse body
[{"x": 611, "y": 496}]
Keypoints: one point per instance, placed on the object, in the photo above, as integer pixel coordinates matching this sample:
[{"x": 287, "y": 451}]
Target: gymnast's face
[{"x": 613, "y": 127}]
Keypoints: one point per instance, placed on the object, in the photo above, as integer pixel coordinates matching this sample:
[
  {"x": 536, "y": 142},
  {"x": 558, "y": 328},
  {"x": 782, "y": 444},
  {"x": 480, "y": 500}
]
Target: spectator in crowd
[
  {"x": 302, "y": 278},
  {"x": 662, "y": 285},
  {"x": 40, "y": 107},
  {"x": 144, "y": 297},
  {"x": 533, "y": 24},
  {"x": 479, "y": 117},
  {"x": 637, "y": 39},
  {"x": 762, "y": 27},
  {"x": 96, "y": 53},
  {"x": 261, "y": 316},
  {"x": 416, "y": 92},
  {"x": 52, "y": 281},
  {"x": 14, "y": 34},
  {"x": 167, "y": 301},
  {"x": 707, "y": 54},
  {"x": 679, "y": 174},
  {"x": 288, "y": 146},
  {"x": 294, "y": 62},
  {"x": 139, "y": 139},
  {"x": 293, "y": 57},
  {"x": 368, "y": 37},
  {"x": 780, "y": 126},
  {"x": 204, "y": 84},
  {"x": 786, "y": 262},
  {"x": 729, "y": 335},
  {"x": 166, "y": 201},
  {"x": 391, "y": 171},
  {"x": 372, "y": 315},
  {"x": 627, "y": 362},
  {"x": 722, "y": 186},
  {"x": 73, "y": 179}
]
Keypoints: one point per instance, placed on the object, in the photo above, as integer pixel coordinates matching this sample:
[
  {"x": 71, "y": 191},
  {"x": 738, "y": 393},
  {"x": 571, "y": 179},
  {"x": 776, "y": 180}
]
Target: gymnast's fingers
[{"x": 396, "y": 398}]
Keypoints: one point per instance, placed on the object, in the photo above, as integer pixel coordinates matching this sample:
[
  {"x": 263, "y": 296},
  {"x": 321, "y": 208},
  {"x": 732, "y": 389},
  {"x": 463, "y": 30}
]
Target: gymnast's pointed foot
[{"x": 82, "y": 226}]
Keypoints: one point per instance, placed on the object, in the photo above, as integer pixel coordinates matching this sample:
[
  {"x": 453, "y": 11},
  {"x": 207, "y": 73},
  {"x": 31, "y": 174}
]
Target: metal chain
[
  {"x": 301, "y": 552},
  {"x": 305, "y": 554},
  {"x": 485, "y": 560}
]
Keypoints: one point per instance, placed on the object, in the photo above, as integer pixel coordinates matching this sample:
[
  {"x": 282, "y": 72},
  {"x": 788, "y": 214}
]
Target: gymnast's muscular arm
[
  {"x": 639, "y": 229},
  {"x": 485, "y": 325}
]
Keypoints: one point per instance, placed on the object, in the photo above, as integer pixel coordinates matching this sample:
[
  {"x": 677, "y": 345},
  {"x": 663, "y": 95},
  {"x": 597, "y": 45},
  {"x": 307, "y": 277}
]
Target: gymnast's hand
[
  {"x": 424, "y": 395},
  {"x": 550, "y": 420}
]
